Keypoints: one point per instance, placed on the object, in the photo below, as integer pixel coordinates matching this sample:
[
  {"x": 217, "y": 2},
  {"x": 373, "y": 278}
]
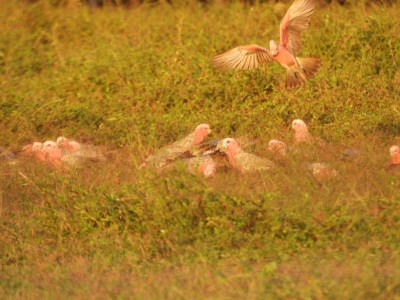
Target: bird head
[
  {"x": 273, "y": 48},
  {"x": 36, "y": 146},
  {"x": 67, "y": 144},
  {"x": 394, "y": 150},
  {"x": 61, "y": 139},
  {"x": 229, "y": 146},
  {"x": 395, "y": 154},
  {"x": 201, "y": 132},
  {"x": 277, "y": 146},
  {"x": 299, "y": 125},
  {"x": 49, "y": 145}
]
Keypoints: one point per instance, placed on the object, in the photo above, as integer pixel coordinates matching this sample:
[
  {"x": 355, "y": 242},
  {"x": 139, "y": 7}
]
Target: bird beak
[
  {"x": 209, "y": 131},
  {"x": 219, "y": 146}
]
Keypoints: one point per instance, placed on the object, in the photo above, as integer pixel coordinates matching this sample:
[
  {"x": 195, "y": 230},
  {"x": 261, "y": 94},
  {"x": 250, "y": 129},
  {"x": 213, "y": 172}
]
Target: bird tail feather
[
  {"x": 298, "y": 74},
  {"x": 309, "y": 65}
]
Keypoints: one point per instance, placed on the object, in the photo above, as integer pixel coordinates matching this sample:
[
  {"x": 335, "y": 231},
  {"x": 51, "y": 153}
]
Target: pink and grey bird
[
  {"x": 322, "y": 171},
  {"x": 301, "y": 133},
  {"x": 75, "y": 153},
  {"x": 278, "y": 147},
  {"x": 350, "y": 154},
  {"x": 204, "y": 165},
  {"x": 186, "y": 146},
  {"x": 241, "y": 160},
  {"x": 68, "y": 144},
  {"x": 36, "y": 149},
  {"x": 395, "y": 158},
  {"x": 52, "y": 153},
  {"x": 298, "y": 70}
]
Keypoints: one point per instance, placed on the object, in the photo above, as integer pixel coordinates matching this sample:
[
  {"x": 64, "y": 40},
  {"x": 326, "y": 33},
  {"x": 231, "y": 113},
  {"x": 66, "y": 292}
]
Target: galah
[
  {"x": 301, "y": 133},
  {"x": 209, "y": 148},
  {"x": 241, "y": 160},
  {"x": 75, "y": 153},
  {"x": 187, "y": 145},
  {"x": 298, "y": 70},
  {"x": 89, "y": 153},
  {"x": 349, "y": 154},
  {"x": 52, "y": 152},
  {"x": 278, "y": 147},
  {"x": 204, "y": 165},
  {"x": 37, "y": 149},
  {"x": 395, "y": 158},
  {"x": 68, "y": 144},
  {"x": 322, "y": 171}
]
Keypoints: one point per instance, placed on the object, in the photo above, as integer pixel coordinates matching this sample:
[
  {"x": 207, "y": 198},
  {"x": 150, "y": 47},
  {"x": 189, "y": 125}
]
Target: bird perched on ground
[
  {"x": 349, "y": 154},
  {"x": 241, "y": 160},
  {"x": 68, "y": 144},
  {"x": 322, "y": 171},
  {"x": 301, "y": 133},
  {"x": 201, "y": 164},
  {"x": 395, "y": 158},
  {"x": 63, "y": 153},
  {"x": 75, "y": 153},
  {"x": 278, "y": 147},
  {"x": 52, "y": 153},
  {"x": 36, "y": 149},
  {"x": 298, "y": 70},
  {"x": 186, "y": 146}
]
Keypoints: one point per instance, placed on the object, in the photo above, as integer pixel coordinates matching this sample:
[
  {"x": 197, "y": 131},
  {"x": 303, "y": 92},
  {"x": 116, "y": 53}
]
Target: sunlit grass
[{"x": 134, "y": 80}]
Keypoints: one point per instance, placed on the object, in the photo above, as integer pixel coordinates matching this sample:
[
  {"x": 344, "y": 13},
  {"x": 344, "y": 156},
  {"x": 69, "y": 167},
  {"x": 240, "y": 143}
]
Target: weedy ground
[{"x": 134, "y": 80}]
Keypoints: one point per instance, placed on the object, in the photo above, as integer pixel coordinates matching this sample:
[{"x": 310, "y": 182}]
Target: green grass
[{"x": 135, "y": 80}]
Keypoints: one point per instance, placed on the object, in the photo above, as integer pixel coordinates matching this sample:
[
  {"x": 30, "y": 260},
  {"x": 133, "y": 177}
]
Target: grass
[{"x": 135, "y": 80}]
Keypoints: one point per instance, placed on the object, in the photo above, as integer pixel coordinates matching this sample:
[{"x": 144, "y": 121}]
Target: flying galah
[
  {"x": 179, "y": 148},
  {"x": 298, "y": 70},
  {"x": 241, "y": 160}
]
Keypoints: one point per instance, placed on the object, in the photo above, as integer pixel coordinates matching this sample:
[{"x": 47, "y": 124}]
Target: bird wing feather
[
  {"x": 294, "y": 22},
  {"x": 179, "y": 149},
  {"x": 250, "y": 162},
  {"x": 245, "y": 57}
]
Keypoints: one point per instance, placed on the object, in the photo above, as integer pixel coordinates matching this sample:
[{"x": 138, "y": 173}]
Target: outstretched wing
[
  {"x": 295, "y": 22},
  {"x": 243, "y": 57}
]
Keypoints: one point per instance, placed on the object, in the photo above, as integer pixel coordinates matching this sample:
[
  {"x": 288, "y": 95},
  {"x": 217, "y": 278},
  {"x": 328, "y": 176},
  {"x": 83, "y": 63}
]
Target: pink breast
[{"x": 284, "y": 57}]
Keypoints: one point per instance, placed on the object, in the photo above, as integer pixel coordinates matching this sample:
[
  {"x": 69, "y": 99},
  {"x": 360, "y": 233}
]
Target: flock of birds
[
  {"x": 204, "y": 157},
  {"x": 198, "y": 154},
  {"x": 63, "y": 153}
]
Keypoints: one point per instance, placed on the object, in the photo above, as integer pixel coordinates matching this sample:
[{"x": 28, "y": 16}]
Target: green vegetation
[{"x": 135, "y": 80}]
